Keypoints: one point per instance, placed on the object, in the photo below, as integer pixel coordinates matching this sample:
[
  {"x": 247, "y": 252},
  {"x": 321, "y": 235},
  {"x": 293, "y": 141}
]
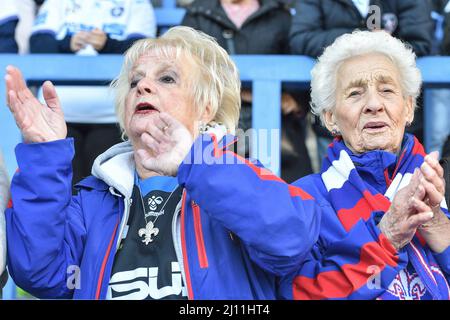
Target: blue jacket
[
  {"x": 343, "y": 264},
  {"x": 240, "y": 226}
]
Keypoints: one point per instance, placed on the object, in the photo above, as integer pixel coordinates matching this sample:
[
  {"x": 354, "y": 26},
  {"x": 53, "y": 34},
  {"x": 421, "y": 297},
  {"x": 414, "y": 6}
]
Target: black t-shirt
[{"x": 146, "y": 265}]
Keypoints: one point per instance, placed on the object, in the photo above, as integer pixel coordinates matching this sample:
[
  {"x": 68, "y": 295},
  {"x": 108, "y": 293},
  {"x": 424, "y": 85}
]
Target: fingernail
[
  {"x": 434, "y": 154},
  {"x": 426, "y": 168}
]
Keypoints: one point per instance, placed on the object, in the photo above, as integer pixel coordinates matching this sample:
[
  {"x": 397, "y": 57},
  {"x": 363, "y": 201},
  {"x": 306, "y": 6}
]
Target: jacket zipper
[
  {"x": 105, "y": 261},
  {"x": 183, "y": 248},
  {"x": 128, "y": 202},
  {"x": 176, "y": 238},
  {"x": 202, "y": 257}
]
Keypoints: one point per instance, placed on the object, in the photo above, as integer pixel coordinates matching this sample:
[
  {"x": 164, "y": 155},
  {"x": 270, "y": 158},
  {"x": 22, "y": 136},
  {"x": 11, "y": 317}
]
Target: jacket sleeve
[
  {"x": 141, "y": 20},
  {"x": 8, "y": 42},
  {"x": 443, "y": 258},
  {"x": 277, "y": 223},
  {"x": 141, "y": 24},
  {"x": 45, "y": 226},
  {"x": 360, "y": 266},
  {"x": 415, "y": 25},
  {"x": 47, "y": 43},
  {"x": 4, "y": 198},
  {"x": 307, "y": 34},
  {"x": 118, "y": 46},
  {"x": 48, "y": 24}
]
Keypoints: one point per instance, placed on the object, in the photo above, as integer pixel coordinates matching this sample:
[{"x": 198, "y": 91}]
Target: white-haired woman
[
  {"x": 384, "y": 228},
  {"x": 135, "y": 231}
]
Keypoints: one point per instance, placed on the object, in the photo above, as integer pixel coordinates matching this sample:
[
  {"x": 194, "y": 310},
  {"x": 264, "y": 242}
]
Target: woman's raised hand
[
  {"x": 36, "y": 121},
  {"x": 437, "y": 231},
  {"x": 167, "y": 143},
  {"x": 407, "y": 213}
]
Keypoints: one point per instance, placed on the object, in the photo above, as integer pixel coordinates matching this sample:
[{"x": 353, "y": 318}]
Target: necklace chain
[
  {"x": 164, "y": 205},
  {"x": 150, "y": 229}
]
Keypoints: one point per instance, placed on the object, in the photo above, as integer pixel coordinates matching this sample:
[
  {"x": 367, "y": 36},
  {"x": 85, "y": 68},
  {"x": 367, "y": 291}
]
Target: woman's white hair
[
  {"x": 358, "y": 43},
  {"x": 216, "y": 83}
]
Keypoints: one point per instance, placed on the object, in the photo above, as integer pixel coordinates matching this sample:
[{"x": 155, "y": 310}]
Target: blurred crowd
[{"x": 302, "y": 27}]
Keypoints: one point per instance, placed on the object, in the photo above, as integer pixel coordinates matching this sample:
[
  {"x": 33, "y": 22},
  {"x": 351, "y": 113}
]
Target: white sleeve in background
[
  {"x": 26, "y": 9},
  {"x": 362, "y": 6},
  {"x": 141, "y": 20},
  {"x": 51, "y": 18},
  {"x": 4, "y": 198},
  {"x": 8, "y": 10}
]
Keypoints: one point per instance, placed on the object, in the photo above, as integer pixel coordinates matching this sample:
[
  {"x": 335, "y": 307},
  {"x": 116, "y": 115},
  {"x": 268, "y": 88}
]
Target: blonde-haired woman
[{"x": 161, "y": 217}]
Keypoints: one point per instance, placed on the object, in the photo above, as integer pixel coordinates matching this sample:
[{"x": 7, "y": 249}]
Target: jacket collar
[
  {"x": 113, "y": 168},
  {"x": 378, "y": 165}
]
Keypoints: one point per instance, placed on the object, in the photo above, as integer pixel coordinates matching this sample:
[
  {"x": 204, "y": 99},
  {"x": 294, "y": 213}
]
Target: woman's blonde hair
[{"x": 217, "y": 84}]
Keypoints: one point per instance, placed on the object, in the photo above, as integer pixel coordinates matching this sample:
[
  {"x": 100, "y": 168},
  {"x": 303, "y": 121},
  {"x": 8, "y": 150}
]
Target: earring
[
  {"x": 408, "y": 123},
  {"x": 202, "y": 128},
  {"x": 124, "y": 136},
  {"x": 335, "y": 132}
]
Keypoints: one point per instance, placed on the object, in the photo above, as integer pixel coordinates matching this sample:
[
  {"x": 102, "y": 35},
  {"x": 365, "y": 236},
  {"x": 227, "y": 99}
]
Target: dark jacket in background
[
  {"x": 318, "y": 23},
  {"x": 264, "y": 32},
  {"x": 445, "y": 49},
  {"x": 8, "y": 42}
]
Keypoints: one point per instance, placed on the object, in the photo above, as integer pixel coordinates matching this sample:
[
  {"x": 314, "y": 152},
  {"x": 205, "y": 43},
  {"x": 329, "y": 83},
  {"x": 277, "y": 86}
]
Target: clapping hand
[
  {"x": 437, "y": 231},
  {"x": 37, "y": 122},
  {"x": 408, "y": 211}
]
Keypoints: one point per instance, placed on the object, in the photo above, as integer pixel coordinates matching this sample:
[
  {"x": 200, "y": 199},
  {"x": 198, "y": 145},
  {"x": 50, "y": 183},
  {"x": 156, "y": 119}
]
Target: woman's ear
[
  {"x": 207, "y": 115},
  {"x": 330, "y": 121}
]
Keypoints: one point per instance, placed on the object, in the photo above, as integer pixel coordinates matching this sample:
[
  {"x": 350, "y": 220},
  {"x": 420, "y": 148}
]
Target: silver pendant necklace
[{"x": 150, "y": 229}]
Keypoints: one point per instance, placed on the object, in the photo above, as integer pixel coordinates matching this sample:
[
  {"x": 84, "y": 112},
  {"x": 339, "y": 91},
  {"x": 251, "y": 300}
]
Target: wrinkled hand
[
  {"x": 79, "y": 40},
  {"x": 168, "y": 143},
  {"x": 437, "y": 231},
  {"x": 36, "y": 121},
  {"x": 97, "y": 38},
  {"x": 407, "y": 212}
]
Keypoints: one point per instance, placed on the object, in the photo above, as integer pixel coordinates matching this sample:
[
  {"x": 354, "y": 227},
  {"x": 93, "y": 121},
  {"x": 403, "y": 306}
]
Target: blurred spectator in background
[
  {"x": 440, "y": 98},
  {"x": 9, "y": 18},
  {"x": 446, "y": 35},
  {"x": 257, "y": 27},
  {"x": 27, "y": 10},
  {"x": 446, "y": 148},
  {"x": 16, "y": 21},
  {"x": 4, "y": 198},
  {"x": 88, "y": 27},
  {"x": 179, "y": 3},
  {"x": 437, "y": 15},
  {"x": 317, "y": 23}
]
